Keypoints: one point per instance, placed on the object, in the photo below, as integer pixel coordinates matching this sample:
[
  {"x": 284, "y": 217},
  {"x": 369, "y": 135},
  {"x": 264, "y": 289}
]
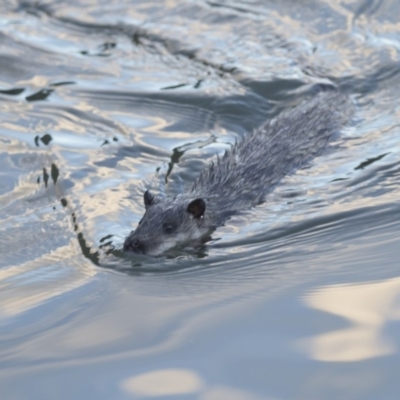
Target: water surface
[{"x": 99, "y": 100}]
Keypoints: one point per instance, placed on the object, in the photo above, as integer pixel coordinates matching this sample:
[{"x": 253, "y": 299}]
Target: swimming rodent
[{"x": 243, "y": 176}]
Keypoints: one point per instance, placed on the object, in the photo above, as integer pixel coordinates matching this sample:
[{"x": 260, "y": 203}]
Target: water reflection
[
  {"x": 367, "y": 307},
  {"x": 100, "y": 100},
  {"x": 166, "y": 382},
  {"x": 173, "y": 382},
  {"x": 42, "y": 279}
]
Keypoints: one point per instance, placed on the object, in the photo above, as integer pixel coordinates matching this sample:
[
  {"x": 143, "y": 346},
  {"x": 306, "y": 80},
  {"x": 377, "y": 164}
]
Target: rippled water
[{"x": 99, "y": 100}]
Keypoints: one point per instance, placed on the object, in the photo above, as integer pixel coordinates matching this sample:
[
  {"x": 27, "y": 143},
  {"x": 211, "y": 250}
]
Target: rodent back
[{"x": 244, "y": 175}]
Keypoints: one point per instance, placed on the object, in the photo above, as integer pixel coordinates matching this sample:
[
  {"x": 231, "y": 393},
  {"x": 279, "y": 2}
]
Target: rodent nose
[{"x": 133, "y": 245}]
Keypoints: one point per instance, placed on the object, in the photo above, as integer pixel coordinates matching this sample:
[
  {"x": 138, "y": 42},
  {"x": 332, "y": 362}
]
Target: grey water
[{"x": 298, "y": 298}]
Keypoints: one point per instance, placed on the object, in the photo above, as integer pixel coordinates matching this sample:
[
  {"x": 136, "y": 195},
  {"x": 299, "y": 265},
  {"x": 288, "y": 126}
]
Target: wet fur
[{"x": 243, "y": 176}]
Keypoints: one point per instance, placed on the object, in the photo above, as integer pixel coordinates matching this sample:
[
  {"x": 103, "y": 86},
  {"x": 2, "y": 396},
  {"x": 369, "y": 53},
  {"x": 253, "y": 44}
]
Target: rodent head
[{"x": 167, "y": 223}]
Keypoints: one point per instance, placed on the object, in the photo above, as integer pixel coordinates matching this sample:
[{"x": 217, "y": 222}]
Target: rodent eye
[{"x": 168, "y": 228}]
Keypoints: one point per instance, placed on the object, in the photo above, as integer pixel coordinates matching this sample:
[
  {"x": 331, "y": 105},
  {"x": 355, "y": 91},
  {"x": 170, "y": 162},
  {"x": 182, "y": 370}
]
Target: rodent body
[{"x": 243, "y": 176}]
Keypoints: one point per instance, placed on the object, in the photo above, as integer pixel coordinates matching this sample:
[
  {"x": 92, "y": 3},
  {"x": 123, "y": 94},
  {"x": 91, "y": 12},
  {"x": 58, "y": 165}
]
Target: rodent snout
[{"x": 133, "y": 245}]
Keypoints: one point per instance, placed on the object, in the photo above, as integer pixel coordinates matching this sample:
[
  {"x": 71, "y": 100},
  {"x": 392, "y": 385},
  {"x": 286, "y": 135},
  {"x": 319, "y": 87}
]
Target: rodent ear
[
  {"x": 148, "y": 198},
  {"x": 197, "y": 208}
]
